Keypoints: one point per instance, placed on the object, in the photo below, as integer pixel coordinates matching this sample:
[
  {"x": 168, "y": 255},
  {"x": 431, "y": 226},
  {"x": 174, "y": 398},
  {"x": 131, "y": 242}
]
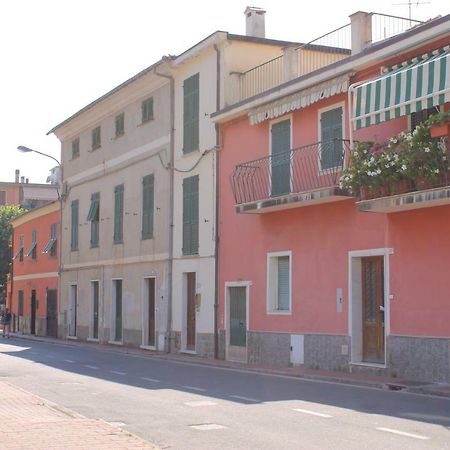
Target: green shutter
[
  {"x": 331, "y": 139},
  {"x": 118, "y": 214},
  {"x": 93, "y": 217},
  {"x": 74, "y": 226},
  {"x": 191, "y": 99},
  {"x": 283, "y": 283},
  {"x": 147, "y": 206},
  {"x": 190, "y": 215},
  {"x": 281, "y": 158}
]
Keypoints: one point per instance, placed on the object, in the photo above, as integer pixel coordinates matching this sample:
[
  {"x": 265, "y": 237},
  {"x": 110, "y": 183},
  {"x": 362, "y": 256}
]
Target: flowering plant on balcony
[{"x": 407, "y": 161}]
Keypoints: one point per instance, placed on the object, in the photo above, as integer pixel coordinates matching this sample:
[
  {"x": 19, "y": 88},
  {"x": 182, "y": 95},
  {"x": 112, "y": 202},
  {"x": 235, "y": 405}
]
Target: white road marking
[
  {"x": 207, "y": 427},
  {"x": 403, "y": 433},
  {"x": 69, "y": 361},
  {"x": 313, "y": 413},
  {"x": 91, "y": 367},
  {"x": 197, "y": 403},
  {"x": 193, "y": 388},
  {"x": 154, "y": 380},
  {"x": 247, "y": 399},
  {"x": 118, "y": 373}
]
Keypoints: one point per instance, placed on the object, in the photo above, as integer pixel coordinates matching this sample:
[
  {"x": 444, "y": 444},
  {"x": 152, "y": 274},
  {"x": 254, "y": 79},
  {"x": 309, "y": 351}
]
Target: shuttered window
[
  {"x": 74, "y": 226},
  {"x": 94, "y": 218},
  {"x": 51, "y": 248},
  {"x": 279, "y": 282},
  {"x": 147, "y": 206},
  {"x": 190, "y": 215},
  {"x": 96, "y": 138},
  {"x": 20, "y": 298},
  {"x": 120, "y": 124},
  {"x": 118, "y": 214},
  {"x": 280, "y": 157},
  {"x": 32, "y": 249},
  {"x": 331, "y": 147},
  {"x": 191, "y": 99},
  {"x": 147, "y": 110},
  {"x": 75, "y": 148}
]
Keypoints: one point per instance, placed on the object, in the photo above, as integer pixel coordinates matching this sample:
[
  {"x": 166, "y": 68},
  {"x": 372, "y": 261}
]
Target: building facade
[
  {"x": 310, "y": 272},
  {"x": 33, "y": 282}
]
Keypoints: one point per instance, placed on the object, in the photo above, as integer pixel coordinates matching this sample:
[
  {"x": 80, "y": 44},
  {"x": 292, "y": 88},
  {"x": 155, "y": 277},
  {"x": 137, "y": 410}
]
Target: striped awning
[
  {"x": 299, "y": 100},
  {"x": 414, "y": 85}
]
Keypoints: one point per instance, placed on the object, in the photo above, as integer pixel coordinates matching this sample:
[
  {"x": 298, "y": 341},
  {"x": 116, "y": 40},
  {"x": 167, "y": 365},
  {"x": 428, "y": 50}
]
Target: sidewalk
[
  {"x": 356, "y": 379},
  {"x": 29, "y": 422}
]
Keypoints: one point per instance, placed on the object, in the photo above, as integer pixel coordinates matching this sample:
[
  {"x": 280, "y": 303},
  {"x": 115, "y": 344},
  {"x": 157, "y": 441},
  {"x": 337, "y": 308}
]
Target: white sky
[{"x": 59, "y": 55}]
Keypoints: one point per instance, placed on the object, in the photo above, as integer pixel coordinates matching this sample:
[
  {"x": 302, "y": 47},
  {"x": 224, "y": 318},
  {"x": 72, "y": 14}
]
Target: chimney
[
  {"x": 17, "y": 175},
  {"x": 22, "y": 180},
  {"x": 361, "y": 25},
  {"x": 255, "y": 22},
  {"x": 27, "y": 180}
]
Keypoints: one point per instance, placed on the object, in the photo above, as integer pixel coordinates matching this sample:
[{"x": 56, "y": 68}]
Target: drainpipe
[
  {"x": 216, "y": 251},
  {"x": 171, "y": 208}
]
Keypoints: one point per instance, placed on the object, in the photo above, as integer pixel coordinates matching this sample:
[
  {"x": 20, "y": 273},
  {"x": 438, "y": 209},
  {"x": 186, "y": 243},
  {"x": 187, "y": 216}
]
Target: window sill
[
  {"x": 273, "y": 312},
  {"x": 188, "y": 152},
  {"x": 72, "y": 338},
  {"x": 92, "y": 339},
  {"x": 94, "y": 149},
  {"x": 188, "y": 352},
  {"x": 145, "y": 122},
  {"x": 115, "y": 343}
]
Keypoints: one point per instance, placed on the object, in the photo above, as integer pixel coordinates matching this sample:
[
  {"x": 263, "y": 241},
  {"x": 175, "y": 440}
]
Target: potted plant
[{"x": 439, "y": 124}]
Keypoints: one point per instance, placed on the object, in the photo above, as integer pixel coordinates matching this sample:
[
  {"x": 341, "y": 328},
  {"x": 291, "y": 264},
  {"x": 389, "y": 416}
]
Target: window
[
  {"x": 2, "y": 197},
  {"x": 118, "y": 214},
  {"x": 147, "y": 110},
  {"x": 19, "y": 253},
  {"x": 20, "y": 303},
  {"x": 279, "y": 282},
  {"x": 191, "y": 99},
  {"x": 51, "y": 246},
  {"x": 94, "y": 218},
  {"x": 117, "y": 325},
  {"x": 76, "y": 148},
  {"x": 96, "y": 138},
  {"x": 74, "y": 226},
  {"x": 32, "y": 249},
  {"x": 190, "y": 215},
  {"x": 120, "y": 124},
  {"x": 280, "y": 161},
  {"x": 331, "y": 146},
  {"x": 147, "y": 206}
]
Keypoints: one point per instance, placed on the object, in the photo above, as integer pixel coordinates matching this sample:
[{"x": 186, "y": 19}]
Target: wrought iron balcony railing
[{"x": 304, "y": 169}]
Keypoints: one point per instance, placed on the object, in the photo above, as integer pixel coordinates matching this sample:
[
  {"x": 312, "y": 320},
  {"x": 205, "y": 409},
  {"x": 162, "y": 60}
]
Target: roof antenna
[{"x": 410, "y": 3}]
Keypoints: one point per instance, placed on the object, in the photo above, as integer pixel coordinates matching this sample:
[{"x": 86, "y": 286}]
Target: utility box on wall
[{"x": 297, "y": 349}]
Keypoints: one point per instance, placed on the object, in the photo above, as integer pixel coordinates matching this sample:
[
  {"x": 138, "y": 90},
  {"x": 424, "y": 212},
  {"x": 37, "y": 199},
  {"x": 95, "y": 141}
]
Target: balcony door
[
  {"x": 280, "y": 162},
  {"x": 331, "y": 136}
]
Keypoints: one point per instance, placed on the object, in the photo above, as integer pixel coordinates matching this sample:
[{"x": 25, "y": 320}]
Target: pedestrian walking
[{"x": 6, "y": 320}]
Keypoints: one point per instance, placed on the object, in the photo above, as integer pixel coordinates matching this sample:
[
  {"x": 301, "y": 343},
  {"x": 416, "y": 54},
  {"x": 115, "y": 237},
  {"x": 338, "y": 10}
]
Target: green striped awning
[{"x": 417, "y": 84}]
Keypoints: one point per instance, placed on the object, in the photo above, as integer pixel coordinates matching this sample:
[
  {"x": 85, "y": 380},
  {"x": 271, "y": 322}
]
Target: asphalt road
[{"x": 190, "y": 406}]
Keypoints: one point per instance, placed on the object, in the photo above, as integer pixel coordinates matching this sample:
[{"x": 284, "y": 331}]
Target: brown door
[
  {"x": 33, "y": 312},
  {"x": 190, "y": 335},
  {"x": 373, "y": 309},
  {"x": 151, "y": 311},
  {"x": 52, "y": 320}
]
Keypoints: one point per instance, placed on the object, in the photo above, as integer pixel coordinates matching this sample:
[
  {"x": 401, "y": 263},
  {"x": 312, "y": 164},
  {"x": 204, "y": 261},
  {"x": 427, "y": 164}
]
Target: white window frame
[
  {"x": 272, "y": 283},
  {"x": 320, "y": 111}
]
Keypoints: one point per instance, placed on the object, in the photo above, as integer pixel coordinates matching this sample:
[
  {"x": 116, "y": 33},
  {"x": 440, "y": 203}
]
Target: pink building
[{"x": 322, "y": 264}]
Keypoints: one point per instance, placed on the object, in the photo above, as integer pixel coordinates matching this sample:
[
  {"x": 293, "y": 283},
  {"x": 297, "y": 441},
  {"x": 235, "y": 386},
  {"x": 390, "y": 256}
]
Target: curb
[{"x": 429, "y": 389}]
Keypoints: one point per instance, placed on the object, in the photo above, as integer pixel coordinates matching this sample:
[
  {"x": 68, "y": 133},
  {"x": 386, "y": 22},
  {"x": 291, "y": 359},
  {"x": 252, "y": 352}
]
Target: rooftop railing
[{"x": 304, "y": 169}]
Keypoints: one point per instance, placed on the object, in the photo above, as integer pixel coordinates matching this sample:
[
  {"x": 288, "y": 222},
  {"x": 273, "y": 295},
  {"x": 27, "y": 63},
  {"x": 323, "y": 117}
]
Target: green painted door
[
  {"x": 281, "y": 158},
  {"x": 331, "y": 149},
  {"x": 238, "y": 316}
]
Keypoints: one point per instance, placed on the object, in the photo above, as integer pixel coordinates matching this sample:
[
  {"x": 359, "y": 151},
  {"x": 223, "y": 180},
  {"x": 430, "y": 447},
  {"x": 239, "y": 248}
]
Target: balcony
[
  {"x": 320, "y": 52},
  {"x": 300, "y": 177}
]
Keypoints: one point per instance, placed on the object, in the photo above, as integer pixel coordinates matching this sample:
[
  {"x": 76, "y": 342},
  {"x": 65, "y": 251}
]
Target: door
[
  {"x": 190, "y": 325},
  {"x": 151, "y": 312},
  {"x": 73, "y": 300},
  {"x": 372, "y": 278},
  {"x": 52, "y": 318},
  {"x": 331, "y": 147},
  {"x": 237, "y": 345},
  {"x": 95, "y": 295},
  {"x": 33, "y": 312},
  {"x": 118, "y": 311},
  {"x": 280, "y": 162}
]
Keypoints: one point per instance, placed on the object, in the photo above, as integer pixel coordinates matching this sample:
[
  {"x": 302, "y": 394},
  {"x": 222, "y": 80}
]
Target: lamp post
[{"x": 24, "y": 149}]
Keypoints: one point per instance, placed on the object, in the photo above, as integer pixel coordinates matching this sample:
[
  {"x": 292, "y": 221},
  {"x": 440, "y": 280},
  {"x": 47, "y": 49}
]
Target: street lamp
[{"x": 24, "y": 149}]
